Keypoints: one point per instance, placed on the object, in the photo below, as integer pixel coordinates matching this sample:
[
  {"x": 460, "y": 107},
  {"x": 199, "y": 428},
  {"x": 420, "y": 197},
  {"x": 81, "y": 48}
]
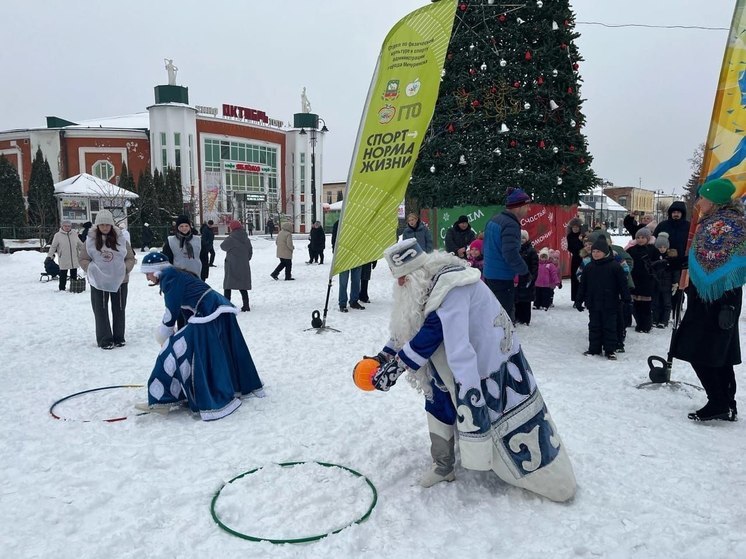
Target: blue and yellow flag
[
  {"x": 400, "y": 104},
  {"x": 725, "y": 150}
]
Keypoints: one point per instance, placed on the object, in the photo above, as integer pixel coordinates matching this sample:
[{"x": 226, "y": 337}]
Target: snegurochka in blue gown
[{"x": 206, "y": 363}]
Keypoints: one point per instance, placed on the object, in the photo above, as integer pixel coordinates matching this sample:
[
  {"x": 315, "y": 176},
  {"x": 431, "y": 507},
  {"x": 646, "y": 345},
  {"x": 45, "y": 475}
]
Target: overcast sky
[{"x": 649, "y": 92}]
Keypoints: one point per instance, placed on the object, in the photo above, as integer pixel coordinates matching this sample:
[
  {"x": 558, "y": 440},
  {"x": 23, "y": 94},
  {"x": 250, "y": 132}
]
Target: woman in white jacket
[
  {"x": 67, "y": 244},
  {"x": 107, "y": 259}
]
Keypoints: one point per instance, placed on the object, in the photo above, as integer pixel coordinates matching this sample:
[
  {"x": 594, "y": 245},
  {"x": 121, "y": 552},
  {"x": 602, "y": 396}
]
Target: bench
[{"x": 12, "y": 245}]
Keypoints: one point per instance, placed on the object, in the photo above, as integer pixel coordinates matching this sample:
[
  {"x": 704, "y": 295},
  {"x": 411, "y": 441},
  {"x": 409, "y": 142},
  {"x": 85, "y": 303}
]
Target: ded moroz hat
[{"x": 405, "y": 257}]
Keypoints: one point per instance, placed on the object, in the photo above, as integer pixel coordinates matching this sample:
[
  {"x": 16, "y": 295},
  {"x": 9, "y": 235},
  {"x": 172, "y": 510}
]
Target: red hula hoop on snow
[{"x": 110, "y": 420}]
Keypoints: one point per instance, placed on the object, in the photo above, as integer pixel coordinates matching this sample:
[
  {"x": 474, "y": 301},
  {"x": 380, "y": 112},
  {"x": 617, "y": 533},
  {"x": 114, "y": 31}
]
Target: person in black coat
[
  {"x": 459, "y": 237},
  {"x": 677, "y": 228},
  {"x": 643, "y": 256},
  {"x": 524, "y": 294},
  {"x": 574, "y": 246},
  {"x": 208, "y": 248},
  {"x": 602, "y": 286},
  {"x": 317, "y": 244},
  {"x": 146, "y": 237},
  {"x": 708, "y": 336},
  {"x": 366, "y": 270}
]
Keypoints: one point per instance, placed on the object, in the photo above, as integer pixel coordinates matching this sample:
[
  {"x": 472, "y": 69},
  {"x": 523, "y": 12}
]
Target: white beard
[{"x": 408, "y": 313}]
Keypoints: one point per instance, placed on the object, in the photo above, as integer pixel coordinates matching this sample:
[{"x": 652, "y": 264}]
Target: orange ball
[{"x": 362, "y": 374}]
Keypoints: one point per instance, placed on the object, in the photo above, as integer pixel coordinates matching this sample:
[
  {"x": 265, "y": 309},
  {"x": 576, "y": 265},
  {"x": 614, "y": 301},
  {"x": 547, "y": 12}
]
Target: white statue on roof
[
  {"x": 171, "y": 69},
  {"x": 305, "y": 104}
]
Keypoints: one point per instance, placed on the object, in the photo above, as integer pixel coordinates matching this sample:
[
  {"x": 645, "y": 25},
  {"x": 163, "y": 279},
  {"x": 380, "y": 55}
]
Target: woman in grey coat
[
  {"x": 415, "y": 229},
  {"x": 238, "y": 253}
]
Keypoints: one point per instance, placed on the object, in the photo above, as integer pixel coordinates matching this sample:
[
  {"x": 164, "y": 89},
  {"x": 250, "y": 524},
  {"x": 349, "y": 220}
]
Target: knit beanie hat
[
  {"x": 234, "y": 224},
  {"x": 405, "y": 257},
  {"x": 104, "y": 217},
  {"x": 154, "y": 261},
  {"x": 66, "y": 222},
  {"x": 477, "y": 244},
  {"x": 183, "y": 219},
  {"x": 601, "y": 244},
  {"x": 718, "y": 191},
  {"x": 516, "y": 197},
  {"x": 662, "y": 240},
  {"x": 462, "y": 219},
  {"x": 643, "y": 232}
]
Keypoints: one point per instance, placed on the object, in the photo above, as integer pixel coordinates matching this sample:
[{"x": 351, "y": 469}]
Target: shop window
[{"x": 103, "y": 169}]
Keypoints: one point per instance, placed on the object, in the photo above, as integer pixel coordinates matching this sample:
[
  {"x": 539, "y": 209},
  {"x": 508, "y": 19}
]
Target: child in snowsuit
[
  {"x": 602, "y": 286},
  {"x": 524, "y": 295},
  {"x": 554, "y": 258},
  {"x": 666, "y": 282},
  {"x": 546, "y": 280},
  {"x": 643, "y": 255}
]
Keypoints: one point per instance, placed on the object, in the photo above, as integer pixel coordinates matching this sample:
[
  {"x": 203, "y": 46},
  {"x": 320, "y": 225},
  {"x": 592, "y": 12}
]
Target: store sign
[
  {"x": 236, "y": 111},
  {"x": 201, "y": 109},
  {"x": 247, "y": 167}
]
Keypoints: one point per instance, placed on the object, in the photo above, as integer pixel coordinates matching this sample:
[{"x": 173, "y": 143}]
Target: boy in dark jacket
[
  {"x": 666, "y": 273},
  {"x": 602, "y": 286}
]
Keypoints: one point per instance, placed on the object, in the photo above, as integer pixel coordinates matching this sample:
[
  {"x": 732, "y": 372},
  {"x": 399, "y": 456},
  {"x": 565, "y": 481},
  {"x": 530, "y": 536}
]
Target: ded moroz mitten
[{"x": 387, "y": 375}]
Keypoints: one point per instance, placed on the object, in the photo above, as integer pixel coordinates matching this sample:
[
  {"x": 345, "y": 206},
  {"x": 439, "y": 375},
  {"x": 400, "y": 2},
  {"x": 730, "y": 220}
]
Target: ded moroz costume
[{"x": 459, "y": 346}]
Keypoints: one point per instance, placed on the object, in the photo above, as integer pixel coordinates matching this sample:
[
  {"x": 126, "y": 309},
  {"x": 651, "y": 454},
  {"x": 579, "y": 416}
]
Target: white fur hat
[{"x": 405, "y": 257}]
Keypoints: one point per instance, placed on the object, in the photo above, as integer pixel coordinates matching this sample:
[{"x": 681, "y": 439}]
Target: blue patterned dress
[{"x": 206, "y": 363}]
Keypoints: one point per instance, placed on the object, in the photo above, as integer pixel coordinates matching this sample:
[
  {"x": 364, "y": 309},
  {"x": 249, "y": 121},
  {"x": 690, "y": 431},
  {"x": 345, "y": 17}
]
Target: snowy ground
[{"x": 650, "y": 482}]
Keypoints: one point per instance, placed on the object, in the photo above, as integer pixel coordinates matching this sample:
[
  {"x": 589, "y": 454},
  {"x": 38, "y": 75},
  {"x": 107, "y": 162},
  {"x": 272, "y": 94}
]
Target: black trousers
[
  {"x": 621, "y": 327},
  {"x": 602, "y": 331},
  {"x": 285, "y": 264},
  {"x": 544, "y": 296},
  {"x": 661, "y": 306},
  {"x": 63, "y": 277},
  {"x": 211, "y": 253},
  {"x": 523, "y": 312},
  {"x": 100, "y": 302},
  {"x": 719, "y": 384},
  {"x": 504, "y": 290},
  {"x": 643, "y": 315},
  {"x": 244, "y": 295}
]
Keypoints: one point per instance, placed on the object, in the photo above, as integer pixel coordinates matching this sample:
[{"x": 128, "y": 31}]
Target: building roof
[
  {"x": 88, "y": 185},
  {"x": 134, "y": 120}
]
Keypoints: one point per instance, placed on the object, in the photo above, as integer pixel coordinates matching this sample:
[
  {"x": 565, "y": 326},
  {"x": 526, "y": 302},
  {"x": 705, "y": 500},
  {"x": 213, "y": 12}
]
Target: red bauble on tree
[
  {"x": 463, "y": 6},
  {"x": 475, "y": 103},
  {"x": 502, "y": 18},
  {"x": 451, "y": 128},
  {"x": 527, "y": 56},
  {"x": 570, "y": 90},
  {"x": 472, "y": 71},
  {"x": 581, "y": 161},
  {"x": 571, "y": 148},
  {"x": 513, "y": 143},
  {"x": 563, "y": 46},
  {"x": 542, "y": 145},
  {"x": 540, "y": 80},
  {"x": 575, "y": 66},
  {"x": 516, "y": 84}
]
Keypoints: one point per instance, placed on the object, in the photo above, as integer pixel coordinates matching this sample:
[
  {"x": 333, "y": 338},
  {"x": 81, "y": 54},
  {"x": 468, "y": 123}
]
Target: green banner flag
[{"x": 400, "y": 104}]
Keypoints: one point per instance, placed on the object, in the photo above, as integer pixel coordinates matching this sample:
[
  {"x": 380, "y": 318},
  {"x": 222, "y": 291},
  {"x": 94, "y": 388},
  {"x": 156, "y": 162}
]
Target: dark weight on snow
[
  {"x": 316, "y": 321},
  {"x": 659, "y": 374}
]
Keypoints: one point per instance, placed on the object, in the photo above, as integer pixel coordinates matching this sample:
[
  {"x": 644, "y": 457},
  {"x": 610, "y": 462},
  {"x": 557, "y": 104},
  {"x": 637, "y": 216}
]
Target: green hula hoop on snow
[{"x": 294, "y": 540}]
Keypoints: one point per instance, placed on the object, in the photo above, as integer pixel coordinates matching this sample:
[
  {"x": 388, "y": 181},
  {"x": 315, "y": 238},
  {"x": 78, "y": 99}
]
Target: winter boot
[
  {"x": 709, "y": 413},
  {"x": 245, "y": 306},
  {"x": 442, "y": 451}
]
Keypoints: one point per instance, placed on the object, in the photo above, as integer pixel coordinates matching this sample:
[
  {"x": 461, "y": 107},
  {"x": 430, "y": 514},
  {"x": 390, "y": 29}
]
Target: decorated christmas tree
[{"x": 508, "y": 111}]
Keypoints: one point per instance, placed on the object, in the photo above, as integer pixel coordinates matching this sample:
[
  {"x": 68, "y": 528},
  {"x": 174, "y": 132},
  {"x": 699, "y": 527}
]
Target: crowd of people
[{"x": 641, "y": 284}]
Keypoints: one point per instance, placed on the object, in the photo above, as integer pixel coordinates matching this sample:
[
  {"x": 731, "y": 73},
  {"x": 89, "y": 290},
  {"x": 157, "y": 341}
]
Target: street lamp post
[{"x": 313, "y": 138}]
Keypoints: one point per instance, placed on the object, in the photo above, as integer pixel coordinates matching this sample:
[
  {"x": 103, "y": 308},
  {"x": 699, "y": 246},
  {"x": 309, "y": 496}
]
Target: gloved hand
[
  {"x": 579, "y": 306},
  {"x": 163, "y": 333},
  {"x": 674, "y": 288},
  {"x": 559, "y": 285},
  {"x": 382, "y": 357},
  {"x": 525, "y": 280},
  {"x": 387, "y": 375}
]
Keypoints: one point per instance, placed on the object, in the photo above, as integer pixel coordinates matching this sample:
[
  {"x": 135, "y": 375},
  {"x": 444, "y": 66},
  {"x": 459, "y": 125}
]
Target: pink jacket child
[
  {"x": 548, "y": 275},
  {"x": 474, "y": 255},
  {"x": 554, "y": 258}
]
